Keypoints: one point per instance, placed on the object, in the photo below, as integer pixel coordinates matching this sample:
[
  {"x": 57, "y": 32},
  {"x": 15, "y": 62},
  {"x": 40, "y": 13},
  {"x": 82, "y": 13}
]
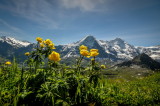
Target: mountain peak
[
  {"x": 87, "y": 41},
  {"x": 119, "y": 39},
  {"x": 142, "y": 57},
  {"x": 14, "y": 42},
  {"x": 89, "y": 37}
]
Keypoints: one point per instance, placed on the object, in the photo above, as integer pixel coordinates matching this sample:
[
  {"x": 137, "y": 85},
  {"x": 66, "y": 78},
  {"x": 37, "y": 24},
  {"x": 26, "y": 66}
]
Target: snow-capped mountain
[
  {"x": 152, "y": 51},
  {"x": 11, "y": 47},
  {"x": 114, "y": 50},
  {"x": 121, "y": 49},
  {"x": 13, "y": 42},
  {"x": 72, "y": 50}
]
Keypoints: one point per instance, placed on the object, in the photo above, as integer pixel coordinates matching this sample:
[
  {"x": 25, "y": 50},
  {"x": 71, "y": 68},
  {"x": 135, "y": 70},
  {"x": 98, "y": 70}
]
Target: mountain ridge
[
  {"x": 14, "y": 42},
  {"x": 114, "y": 50}
]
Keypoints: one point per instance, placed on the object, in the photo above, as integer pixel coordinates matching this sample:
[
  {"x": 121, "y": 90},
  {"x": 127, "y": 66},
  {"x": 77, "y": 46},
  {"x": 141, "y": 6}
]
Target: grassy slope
[
  {"x": 138, "y": 92},
  {"x": 127, "y": 87},
  {"x": 127, "y": 73}
]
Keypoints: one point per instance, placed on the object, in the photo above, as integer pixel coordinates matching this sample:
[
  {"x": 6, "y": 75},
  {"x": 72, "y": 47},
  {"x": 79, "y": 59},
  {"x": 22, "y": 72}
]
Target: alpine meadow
[
  {"x": 79, "y": 52},
  {"x": 42, "y": 80}
]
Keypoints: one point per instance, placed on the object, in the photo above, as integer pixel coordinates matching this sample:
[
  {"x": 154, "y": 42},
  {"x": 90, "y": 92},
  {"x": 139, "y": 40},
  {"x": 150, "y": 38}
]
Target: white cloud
[
  {"x": 49, "y": 14},
  {"x": 52, "y": 14},
  {"x": 83, "y": 5},
  {"x": 107, "y": 5},
  {"x": 39, "y": 11}
]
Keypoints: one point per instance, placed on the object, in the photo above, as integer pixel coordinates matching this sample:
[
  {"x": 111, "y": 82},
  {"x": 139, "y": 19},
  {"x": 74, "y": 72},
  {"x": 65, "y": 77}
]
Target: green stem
[
  {"x": 92, "y": 65},
  {"x": 36, "y": 67},
  {"x": 30, "y": 68},
  {"x": 79, "y": 63},
  {"x": 22, "y": 72},
  {"x": 94, "y": 60}
]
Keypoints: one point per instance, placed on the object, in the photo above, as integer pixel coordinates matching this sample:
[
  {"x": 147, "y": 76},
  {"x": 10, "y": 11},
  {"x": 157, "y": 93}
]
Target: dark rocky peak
[
  {"x": 142, "y": 58},
  {"x": 118, "y": 40},
  {"x": 89, "y": 41}
]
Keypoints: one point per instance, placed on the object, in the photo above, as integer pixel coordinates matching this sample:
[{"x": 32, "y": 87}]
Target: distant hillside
[{"x": 143, "y": 61}]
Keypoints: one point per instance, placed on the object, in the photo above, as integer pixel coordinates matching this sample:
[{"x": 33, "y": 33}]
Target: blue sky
[{"x": 67, "y": 21}]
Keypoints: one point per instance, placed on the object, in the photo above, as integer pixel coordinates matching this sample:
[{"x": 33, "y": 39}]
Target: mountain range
[
  {"x": 141, "y": 61},
  {"x": 114, "y": 50}
]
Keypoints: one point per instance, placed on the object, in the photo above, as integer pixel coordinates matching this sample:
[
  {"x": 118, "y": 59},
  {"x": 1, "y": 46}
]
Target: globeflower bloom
[
  {"x": 54, "y": 56},
  {"x": 82, "y": 47},
  {"x": 52, "y": 46},
  {"x": 8, "y": 63},
  {"x": 94, "y": 53},
  {"x": 84, "y": 52},
  {"x": 103, "y": 66},
  {"x": 39, "y": 39},
  {"x": 94, "y": 50},
  {"x": 42, "y": 45},
  {"x": 47, "y": 41},
  {"x": 27, "y": 54}
]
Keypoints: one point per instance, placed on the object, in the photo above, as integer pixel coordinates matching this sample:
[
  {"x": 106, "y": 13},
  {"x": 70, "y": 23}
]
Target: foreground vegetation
[{"x": 41, "y": 80}]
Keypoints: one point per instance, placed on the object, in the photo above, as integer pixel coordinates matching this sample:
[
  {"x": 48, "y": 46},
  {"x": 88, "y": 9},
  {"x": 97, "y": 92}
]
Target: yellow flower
[
  {"x": 94, "y": 50},
  {"x": 52, "y": 46},
  {"x": 27, "y": 54},
  {"x": 94, "y": 53},
  {"x": 47, "y": 41},
  {"x": 103, "y": 66},
  {"x": 39, "y": 39},
  {"x": 54, "y": 56},
  {"x": 42, "y": 45},
  {"x": 8, "y": 63},
  {"x": 83, "y": 47},
  {"x": 84, "y": 52}
]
